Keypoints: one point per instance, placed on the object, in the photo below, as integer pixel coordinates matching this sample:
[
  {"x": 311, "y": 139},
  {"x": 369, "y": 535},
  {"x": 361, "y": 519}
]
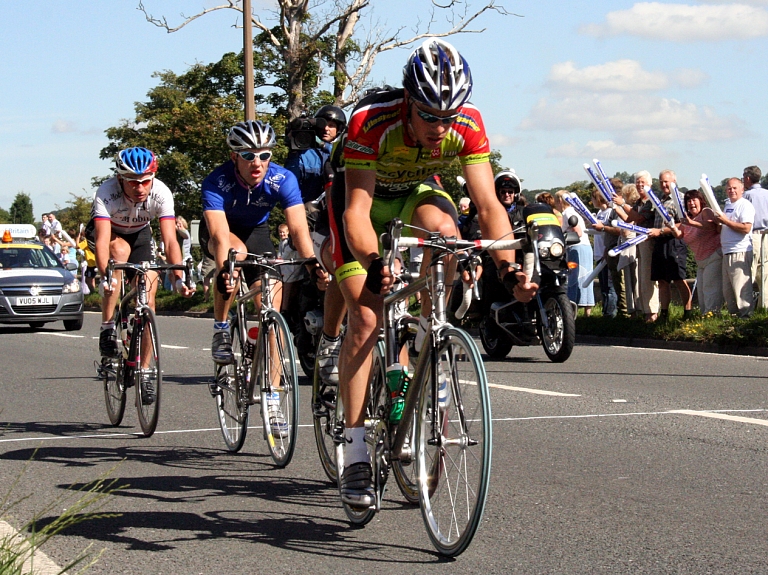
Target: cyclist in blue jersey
[{"x": 238, "y": 198}]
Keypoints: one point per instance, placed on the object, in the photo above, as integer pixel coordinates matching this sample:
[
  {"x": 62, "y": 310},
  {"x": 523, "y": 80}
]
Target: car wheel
[{"x": 73, "y": 324}]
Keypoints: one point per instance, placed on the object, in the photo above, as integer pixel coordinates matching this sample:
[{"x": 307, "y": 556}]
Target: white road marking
[
  {"x": 715, "y": 415},
  {"x": 59, "y": 334},
  {"x": 536, "y": 391},
  {"x": 162, "y": 345},
  {"x": 39, "y": 561}
]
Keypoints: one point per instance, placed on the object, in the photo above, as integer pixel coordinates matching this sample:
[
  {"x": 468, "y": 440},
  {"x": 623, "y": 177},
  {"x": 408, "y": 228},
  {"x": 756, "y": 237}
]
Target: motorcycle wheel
[
  {"x": 559, "y": 338},
  {"x": 496, "y": 343}
]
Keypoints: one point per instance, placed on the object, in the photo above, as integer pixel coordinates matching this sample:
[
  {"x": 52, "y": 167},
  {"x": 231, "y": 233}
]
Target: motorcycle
[{"x": 550, "y": 318}]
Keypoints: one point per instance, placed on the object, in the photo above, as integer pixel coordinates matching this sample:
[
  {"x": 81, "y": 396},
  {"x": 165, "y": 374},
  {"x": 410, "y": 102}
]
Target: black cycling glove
[
  {"x": 509, "y": 279},
  {"x": 373, "y": 281}
]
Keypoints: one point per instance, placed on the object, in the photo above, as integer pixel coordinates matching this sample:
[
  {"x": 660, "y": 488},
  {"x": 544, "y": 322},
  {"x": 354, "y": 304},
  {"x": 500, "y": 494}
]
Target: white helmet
[
  {"x": 438, "y": 76},
  {"x": 251, "y": 135},
  {"x": 507, "y": 178}
]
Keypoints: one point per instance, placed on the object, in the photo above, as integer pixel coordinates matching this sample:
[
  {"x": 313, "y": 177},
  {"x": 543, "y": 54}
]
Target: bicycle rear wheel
[
  {"x": 454, "y": 444},
  {"x": 280, "y": 390},
  {"x": 232, "y": 382},
  {"x": 148, "y": 377},
  {"x": 324, "y": 422},
  {"x": 112, "y": 371},
  {"x": 376, "y": 416}
]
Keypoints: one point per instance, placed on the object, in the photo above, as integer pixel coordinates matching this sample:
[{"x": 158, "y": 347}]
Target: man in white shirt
[
  {"x": 736, "y": 241},
  {"x": 758, "y": 197}
]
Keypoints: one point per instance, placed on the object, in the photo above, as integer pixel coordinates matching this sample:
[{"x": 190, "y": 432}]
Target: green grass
[{"x": 722, "y": 330}]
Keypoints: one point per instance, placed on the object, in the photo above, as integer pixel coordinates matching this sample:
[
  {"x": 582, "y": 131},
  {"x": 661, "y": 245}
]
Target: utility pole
[{"x": 250, "y": 112}]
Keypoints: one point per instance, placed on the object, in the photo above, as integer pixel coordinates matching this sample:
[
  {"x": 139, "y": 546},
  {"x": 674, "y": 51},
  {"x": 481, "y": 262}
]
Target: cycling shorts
[
  {"x": 382, "y": 212},
  {"x": 257, "y": 240},
  {"x": 141, "y": 243}
]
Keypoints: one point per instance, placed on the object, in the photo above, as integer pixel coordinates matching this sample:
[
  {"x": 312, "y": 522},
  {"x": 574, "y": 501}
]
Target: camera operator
[{"x": 310, "y": 148}]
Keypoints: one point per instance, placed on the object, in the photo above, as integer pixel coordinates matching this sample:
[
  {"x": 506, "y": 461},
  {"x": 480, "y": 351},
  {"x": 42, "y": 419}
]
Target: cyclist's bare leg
[
  {"x": 364, "y": 311},
  {"x": 120, "y": 251},
  {"x": 222, "y": 302},
  {"x": 334, "y": 308}
]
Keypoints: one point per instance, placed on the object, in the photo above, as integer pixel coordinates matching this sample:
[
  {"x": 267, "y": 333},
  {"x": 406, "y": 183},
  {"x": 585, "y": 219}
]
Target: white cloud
[
  {"x": 63, "y": 127},
  {"x": 685, "y": 23},
  {"x": 606, "y": 149},
  {"x": 619, "y": 76},
  {"x": 634, "y": 117}
]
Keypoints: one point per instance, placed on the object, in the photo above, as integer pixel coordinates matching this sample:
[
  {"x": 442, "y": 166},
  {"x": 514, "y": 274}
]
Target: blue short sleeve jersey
[
  {"x": 224, "y": 191},
  {"x": 308, "y": 167}
]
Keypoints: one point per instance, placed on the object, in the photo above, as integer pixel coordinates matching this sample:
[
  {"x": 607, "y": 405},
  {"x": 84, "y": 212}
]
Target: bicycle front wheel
[
  {"x": 148, "y": 377},
  {"x": 403, "y": 468},
  {"x": 231, "y": 401},
  {"x": 279, "y": 389},
  {"x": 453, "y": 439}
]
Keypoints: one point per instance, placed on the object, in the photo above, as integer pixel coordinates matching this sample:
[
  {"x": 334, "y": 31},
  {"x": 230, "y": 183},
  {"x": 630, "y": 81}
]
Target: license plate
[{"x": 35, "y": 300}]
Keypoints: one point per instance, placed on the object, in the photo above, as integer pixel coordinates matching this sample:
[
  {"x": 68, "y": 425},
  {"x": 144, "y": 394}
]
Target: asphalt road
[{"x": 618, "y": 461}]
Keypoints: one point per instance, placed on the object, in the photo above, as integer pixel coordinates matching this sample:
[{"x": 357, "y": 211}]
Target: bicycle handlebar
[{"x": 145, "y": 266}]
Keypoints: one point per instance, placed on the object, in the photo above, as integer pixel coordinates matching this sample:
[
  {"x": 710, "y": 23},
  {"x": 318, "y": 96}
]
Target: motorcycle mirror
[{"x": 573, "y": 221}]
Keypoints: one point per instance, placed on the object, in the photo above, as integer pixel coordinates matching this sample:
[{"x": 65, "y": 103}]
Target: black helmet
[{"x": 335, "y": 114}]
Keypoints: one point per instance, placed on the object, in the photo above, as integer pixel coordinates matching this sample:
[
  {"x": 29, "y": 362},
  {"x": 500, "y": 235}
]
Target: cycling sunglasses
[
  {"x": 137, "y": 183},
  {"x": 251, "y": 156},
  {"x": 431, "y": 118}
]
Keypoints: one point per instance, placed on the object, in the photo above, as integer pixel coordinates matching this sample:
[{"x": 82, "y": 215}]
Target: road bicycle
[
  {"x": 440, "y": 450},
  {"x": 138, "y": 361},
  {"x": 264, "y": 370}
]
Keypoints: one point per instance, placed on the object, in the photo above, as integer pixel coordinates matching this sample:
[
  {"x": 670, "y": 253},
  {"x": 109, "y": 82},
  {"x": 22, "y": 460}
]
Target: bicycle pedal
[{"x": 214, "y": 389}]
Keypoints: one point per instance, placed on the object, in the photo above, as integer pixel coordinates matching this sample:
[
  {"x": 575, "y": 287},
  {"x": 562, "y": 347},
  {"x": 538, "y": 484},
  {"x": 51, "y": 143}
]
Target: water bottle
[
  {"x": 397, "y": 382},
  {"x": 250, "y": 344}
]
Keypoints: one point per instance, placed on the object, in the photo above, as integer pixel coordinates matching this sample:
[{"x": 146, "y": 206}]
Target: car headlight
[
  {"x": 556, "y": 250},
  {"x": 71, "y": 287}
]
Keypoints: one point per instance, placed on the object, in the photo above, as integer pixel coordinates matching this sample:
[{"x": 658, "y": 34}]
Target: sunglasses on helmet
[{"x": 251, "y": 156}]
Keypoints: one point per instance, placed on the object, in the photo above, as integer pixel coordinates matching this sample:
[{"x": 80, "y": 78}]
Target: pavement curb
[{"x": 673, "y": 345}]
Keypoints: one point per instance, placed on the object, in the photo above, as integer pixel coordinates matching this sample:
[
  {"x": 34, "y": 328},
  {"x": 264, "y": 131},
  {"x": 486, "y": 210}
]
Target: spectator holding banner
[{"x": 701, "y": 232}]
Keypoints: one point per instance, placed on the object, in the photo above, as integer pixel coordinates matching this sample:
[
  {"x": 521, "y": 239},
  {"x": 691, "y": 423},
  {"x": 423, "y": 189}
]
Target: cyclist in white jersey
[{"x": 119, "y": 229}]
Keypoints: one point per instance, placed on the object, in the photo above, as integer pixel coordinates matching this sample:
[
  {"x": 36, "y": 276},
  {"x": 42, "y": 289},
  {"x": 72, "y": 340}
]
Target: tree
[
  {"x": 5, "y": 217},
  {"x": 21, "y": 211},
  {"x": 78, "y": 211},
  {"x": 185, "y": 122},
  {"x": 308, "y": 36}
]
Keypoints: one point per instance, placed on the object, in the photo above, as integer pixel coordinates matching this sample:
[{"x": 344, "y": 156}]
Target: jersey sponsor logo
[
  {"x": 468, "y": 121},
  {"x": 436, "y": 153},
  {"x": 358, "y": 147},
  {"x": 275, "y": 181},
  {"x": 450, "y": 153},
  {"x": 379, "y": 118},
  {"x": 402, "y": 151},
  {"x": 223, "y": 184}
]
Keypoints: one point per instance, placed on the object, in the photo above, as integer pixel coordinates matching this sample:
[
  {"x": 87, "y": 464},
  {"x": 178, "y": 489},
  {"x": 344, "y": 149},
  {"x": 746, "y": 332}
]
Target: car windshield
[{"x": 15, "y": 257}]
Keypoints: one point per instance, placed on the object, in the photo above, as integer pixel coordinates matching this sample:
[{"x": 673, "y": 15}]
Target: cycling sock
[
  {"x": 221, "y": 326},
  {"x": 356, "y": 450},
  {"x": 107, "y": 325},
  {"x": 421, "y": 333},
  {"x": 331, "y": 339}
]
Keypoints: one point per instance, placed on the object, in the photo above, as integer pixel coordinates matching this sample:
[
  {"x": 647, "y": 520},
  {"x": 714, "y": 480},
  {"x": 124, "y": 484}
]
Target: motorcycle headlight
[
  {"x": 543, "y": 252},
  {"x": 556, "y": 250},
  {"x": 71, "y": 287}
]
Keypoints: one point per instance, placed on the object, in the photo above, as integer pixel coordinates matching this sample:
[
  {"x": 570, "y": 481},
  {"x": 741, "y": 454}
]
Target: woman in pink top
[{"x": 701, "y": 232}]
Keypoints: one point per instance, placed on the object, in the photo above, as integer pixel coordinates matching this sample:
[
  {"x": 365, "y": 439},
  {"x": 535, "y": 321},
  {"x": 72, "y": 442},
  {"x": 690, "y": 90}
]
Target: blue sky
[{"x": 638, "y": 85}]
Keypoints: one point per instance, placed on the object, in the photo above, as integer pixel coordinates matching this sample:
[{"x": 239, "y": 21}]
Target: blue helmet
[
  {"x": 438, "y": 76},
  {"x": 135, "y": 162}
]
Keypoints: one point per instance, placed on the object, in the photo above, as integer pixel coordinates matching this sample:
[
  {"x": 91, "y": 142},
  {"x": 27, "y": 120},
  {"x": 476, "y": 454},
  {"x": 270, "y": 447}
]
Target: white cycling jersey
[{"x": 127, "y": 217}]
